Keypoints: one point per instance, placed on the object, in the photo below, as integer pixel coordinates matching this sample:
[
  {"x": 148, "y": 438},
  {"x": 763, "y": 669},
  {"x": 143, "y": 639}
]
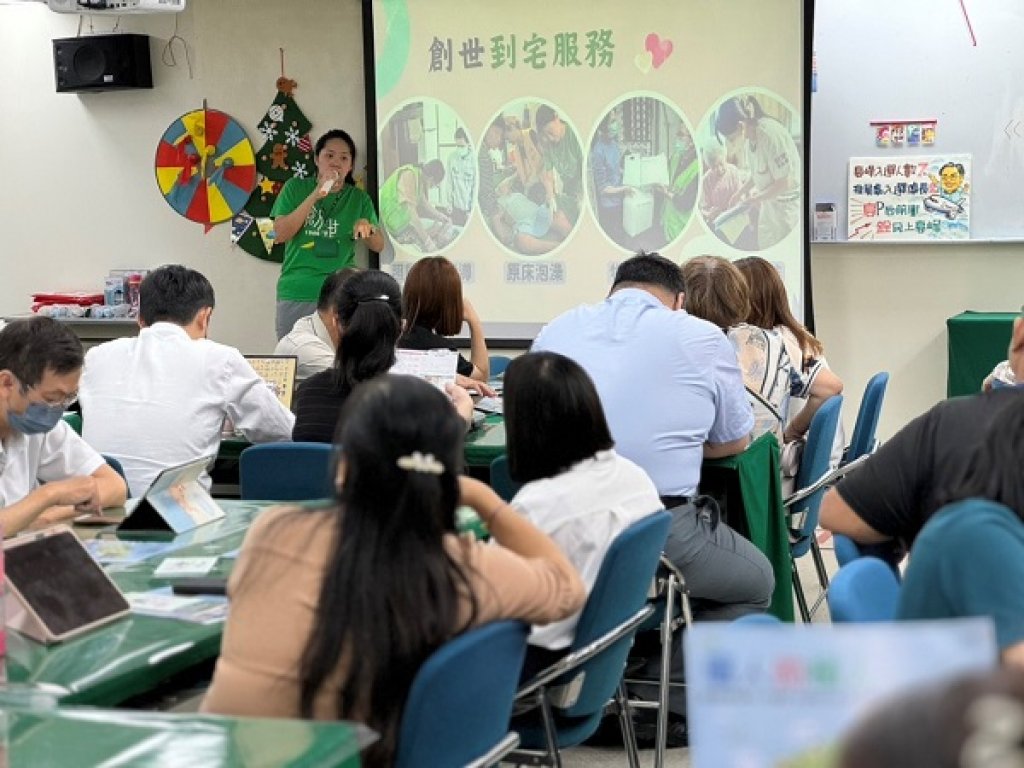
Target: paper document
[{"x": 436, "y": 366}]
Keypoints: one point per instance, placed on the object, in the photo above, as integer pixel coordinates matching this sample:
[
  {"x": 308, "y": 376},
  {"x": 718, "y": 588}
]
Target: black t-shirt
[
  {"x": 899, "y": 488},
  {"x": 419, "y": 337},
  {"x": 317, "y": 405}
]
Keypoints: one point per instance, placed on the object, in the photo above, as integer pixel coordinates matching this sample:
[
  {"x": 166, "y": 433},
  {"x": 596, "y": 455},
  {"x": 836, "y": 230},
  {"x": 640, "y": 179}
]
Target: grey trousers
[
  {"x": 288, "y": 312},
  {"x": 727, "y": 576}
]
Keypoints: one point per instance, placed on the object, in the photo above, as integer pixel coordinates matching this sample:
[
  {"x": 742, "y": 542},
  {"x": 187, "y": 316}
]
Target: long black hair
[
  {"x": 553, "y": 416},
  {"x": 391, "y": 590},
  {"x": 369, "y": 310},
  {"x": 993, "y": 471}
]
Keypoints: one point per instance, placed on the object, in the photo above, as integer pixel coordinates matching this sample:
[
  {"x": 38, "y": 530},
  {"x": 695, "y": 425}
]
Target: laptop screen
[
  {"x": 279, "y": 373},
  {"x": 60, "y": 580}
]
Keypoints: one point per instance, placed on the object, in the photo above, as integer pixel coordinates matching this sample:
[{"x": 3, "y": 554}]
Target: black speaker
[{"x": 102, "y": 63}]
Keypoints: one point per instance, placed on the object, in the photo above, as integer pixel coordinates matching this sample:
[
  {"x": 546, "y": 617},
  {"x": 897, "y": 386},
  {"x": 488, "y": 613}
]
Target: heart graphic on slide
[
  {"x": 643, "y": 61},
  {"x": 658, "y": 48}
]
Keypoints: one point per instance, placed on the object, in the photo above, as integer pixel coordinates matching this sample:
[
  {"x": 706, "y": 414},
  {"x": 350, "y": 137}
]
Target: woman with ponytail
[
  {"x": 334, "y": 608},
  {"x": 369, "y": 312}
]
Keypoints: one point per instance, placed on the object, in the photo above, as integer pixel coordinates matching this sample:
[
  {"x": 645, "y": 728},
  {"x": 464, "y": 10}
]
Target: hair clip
[
  {"x": 382, "y": 297},
  {"x": 421, "y": 462}
]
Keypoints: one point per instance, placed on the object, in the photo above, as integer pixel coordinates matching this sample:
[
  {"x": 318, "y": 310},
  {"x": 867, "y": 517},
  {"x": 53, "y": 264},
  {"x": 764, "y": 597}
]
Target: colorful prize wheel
[{"x": 205, "y": 166}]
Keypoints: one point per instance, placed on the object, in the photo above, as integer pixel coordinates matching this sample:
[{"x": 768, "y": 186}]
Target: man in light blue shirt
[{"x": 673, "y": 394}]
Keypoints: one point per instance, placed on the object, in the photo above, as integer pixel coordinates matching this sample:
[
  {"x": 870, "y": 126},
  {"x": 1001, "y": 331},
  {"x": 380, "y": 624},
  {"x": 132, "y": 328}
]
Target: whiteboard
[{"x": 914, "y": 60}]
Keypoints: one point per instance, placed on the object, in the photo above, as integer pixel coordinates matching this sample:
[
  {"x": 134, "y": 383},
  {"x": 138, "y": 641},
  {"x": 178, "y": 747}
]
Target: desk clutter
[{"x": 119, "y": 298}]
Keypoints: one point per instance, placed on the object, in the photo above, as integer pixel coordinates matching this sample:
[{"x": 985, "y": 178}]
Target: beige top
[{"x": 280, "y": 569}]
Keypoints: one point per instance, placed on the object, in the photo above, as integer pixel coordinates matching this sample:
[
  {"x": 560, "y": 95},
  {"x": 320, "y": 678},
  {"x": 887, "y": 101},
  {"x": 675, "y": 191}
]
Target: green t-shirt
[
  {"x": 324, "y": 244},
  {"x": 397, "y": 216}
]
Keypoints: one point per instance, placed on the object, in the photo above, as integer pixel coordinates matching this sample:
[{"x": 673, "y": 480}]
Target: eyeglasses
[{"x": 64, "y": 403}]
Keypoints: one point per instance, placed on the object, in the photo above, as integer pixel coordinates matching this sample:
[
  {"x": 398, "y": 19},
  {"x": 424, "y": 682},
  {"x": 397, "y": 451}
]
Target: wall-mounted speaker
[{"x": 102, "y": 63}]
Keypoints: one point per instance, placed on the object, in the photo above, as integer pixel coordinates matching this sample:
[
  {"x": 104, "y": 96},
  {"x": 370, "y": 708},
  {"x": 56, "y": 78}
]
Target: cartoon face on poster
[{"x": 909, "y": 198}]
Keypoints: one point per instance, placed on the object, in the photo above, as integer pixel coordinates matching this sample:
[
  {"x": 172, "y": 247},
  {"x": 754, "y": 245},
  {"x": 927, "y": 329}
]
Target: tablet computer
[
  {"x": 55, "y": 589},
  {"x": 176, "y": 501}
]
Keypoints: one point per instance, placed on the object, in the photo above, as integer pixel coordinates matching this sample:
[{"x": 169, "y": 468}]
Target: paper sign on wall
[{"x": 909, "y": 198}]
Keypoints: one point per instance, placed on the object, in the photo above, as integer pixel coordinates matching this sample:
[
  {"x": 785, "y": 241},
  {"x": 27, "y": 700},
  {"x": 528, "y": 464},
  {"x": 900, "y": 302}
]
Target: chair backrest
[
  {"x": 498, "y": 364},
  {"x": 813, "y": 465},
  {"x": 115, "y": 465},
  {"x": 286, "y": 472},
  {"x": 757, "y": 618},
  {"x": 846, "y": 549},
  {"x": 863, "y": 439},
  {"x": 501, "y": 480},
  {"x": 619, "y": 592},
  {"x": 864, "y": 590},
  {"x": 460, "y": 702}
]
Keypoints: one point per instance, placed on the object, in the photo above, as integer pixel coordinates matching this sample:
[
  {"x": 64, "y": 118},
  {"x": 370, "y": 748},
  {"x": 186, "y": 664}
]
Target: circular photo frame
[{"x": 428, "y": 176}]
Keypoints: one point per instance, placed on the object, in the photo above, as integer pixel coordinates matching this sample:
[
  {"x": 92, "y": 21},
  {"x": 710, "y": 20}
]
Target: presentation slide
[{"x": 536, "y": 144}]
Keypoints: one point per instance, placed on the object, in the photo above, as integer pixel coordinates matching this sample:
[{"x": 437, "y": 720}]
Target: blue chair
[
  {"x": 286, "y": 472},
  {"x": 570, "y": 696},
  {"x": 460, "y": 702},
  {"x": 863, "y": 441},
  {"x": 812, "y": 479},
  {"x": 501, "y": 481},
  {"x": 115, "y": 465},
  {"x": 846, "y": 549},
  {"x": 864, "y": 590},
  {"x": 498, "y": 364},
  {"x": 757, "y": 618}
]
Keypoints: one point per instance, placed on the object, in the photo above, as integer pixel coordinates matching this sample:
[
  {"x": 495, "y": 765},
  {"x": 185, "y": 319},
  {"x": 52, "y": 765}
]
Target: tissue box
[{"x": 637, "y": 212}]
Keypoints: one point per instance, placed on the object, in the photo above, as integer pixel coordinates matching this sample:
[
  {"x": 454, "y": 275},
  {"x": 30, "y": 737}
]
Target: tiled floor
[{"x": 590, "y": 757}]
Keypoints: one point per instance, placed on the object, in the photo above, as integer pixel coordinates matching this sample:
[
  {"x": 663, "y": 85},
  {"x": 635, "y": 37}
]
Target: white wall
[
  {"x": 885, "y": 307},
  {"x": 80, "y": 197}
]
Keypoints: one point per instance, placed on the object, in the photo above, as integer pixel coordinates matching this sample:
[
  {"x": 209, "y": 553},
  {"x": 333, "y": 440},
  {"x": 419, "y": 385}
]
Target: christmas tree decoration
[
  {"x": 205, "y": 166},
  {"x": 287, "y": 152}
]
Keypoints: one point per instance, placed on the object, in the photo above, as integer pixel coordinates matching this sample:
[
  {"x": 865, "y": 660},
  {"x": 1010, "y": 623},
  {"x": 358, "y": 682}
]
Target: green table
[
  {"x": 977, "y": 341},
  {"x": 134, "y": 655},
  {"x": 486, "y": 443},
  {"x": 750, "y": 487},
  {"x": 82, "y": 736}
]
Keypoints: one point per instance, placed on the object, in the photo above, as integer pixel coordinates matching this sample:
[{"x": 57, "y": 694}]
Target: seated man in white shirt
[
  {"x": 314, "y": 338},
  {"x": 47, "y": 472},
  {"x": 160, "y": 399}
]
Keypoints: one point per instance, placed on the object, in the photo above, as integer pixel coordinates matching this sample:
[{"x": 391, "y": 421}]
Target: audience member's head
[
  {"x": 1016, "y": 351},
  {"x": 179, "y": 295},
  {"x": 40, "y": 364},
  {"x": 653, "y": 273},
  {"x": 769, "y": 304},
  {"x": 993, "y": 470},
  {"x": 369, "y": 311},
  {"x": 432, "y": 296},
  {"x": 716, "y": 291},
  {"x": 553, "y": 416},
  {"x": 328, "y": 299},
  {"x": 391, "y": 588},
  {"x": 972, "y": 722}
]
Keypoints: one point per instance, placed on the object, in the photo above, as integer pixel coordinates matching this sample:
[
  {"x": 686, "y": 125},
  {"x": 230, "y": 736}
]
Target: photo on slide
[
  {"x": 531, "y": 177},
  {"x": 751, "y": 188},
  {"x": 428, "y": 176},
  {"x": 643, "y": 173}
]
